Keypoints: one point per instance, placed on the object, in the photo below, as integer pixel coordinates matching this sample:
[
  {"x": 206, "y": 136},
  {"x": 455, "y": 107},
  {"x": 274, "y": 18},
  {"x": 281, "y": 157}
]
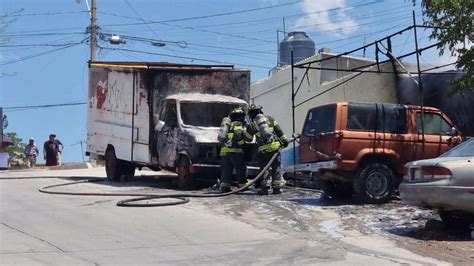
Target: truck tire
[
  {"x": 374, "y": 182},
  {"x": 335, "y": 189},
  {"x": 185, "y": 178},
  {"x": 112, "y": 165}
]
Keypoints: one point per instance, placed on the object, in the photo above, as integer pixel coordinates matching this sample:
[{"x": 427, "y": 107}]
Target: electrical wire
[
  {"x": 360, "y": 4},
  {"x": 48, "y": 13},
  {"x": 183, "y": 57},
  {"x": 210, "y": 16},
  {"x": 148, "y": 26},
  {"x": 36, "y": 55},
  {"x": 30, "y": 107}
]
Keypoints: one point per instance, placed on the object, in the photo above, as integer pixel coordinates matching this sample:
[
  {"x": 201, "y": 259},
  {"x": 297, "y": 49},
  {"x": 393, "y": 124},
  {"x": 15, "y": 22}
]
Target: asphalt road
[{"x": 37, "y": 228}]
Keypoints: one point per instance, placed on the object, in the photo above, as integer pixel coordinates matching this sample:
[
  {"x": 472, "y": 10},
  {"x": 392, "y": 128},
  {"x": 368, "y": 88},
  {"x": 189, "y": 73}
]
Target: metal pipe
[{"x": 293, "y": 115}]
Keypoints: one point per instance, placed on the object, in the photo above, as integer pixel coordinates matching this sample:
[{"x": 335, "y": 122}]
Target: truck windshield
[
  {"x": 205, "y": 114},
  {"x": 320, "y": 120}
]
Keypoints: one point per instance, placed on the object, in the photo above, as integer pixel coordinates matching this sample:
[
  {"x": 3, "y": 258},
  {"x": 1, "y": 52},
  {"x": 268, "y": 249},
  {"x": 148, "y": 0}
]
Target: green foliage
[
  {"x": 453, "y": 28},
  {"x": 16, "y": 150}
]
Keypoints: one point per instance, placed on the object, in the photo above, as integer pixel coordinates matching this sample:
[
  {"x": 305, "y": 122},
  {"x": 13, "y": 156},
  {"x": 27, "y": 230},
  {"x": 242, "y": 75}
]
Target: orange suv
[{"x": 361, "y": 148}]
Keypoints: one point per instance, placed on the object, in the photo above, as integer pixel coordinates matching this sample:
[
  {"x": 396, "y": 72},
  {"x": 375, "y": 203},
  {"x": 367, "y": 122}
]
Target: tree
[
  {"x": 15, "y": 151},
  {"x": 452, "y": 22}
]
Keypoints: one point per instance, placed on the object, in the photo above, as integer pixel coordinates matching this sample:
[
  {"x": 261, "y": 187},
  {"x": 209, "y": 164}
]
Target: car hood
[{"x": 202, "y": 134}]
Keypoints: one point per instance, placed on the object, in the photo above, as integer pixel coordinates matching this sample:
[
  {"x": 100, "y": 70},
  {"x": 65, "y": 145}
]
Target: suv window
[
  {"x": 320, "y": 120},
  {"x": 434, "y": 124},
  {"x": 389, "y": 118}
]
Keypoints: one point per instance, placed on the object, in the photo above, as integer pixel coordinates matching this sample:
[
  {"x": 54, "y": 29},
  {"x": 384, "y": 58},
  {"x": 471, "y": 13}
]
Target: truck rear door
[{"x": 318, "y": 139}]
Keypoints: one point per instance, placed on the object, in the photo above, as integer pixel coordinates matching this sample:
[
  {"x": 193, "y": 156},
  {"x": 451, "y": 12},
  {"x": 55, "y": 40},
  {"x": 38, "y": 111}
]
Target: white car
[{"x": 445, "y": 183}]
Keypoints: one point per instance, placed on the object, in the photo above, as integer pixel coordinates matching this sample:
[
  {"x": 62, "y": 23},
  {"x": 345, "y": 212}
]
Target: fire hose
[{"x": 181, "y": 198}]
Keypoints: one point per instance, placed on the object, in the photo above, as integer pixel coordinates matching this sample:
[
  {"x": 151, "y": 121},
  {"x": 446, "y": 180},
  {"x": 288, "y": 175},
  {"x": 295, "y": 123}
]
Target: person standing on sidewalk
[
  {"x": 51, "y": 150},
  {"x": 31, "y": 152}
]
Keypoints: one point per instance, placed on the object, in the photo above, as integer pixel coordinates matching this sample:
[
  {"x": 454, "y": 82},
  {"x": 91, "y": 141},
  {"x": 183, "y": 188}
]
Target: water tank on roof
[{"x": 302, "y": 46}]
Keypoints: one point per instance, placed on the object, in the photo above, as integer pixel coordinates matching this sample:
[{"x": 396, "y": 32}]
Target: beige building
[{"x": 320, "y": 87}]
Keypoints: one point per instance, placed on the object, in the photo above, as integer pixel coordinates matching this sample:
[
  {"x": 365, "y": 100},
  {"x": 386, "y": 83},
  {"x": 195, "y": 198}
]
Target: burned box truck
[{"x": 161, "y": 115}]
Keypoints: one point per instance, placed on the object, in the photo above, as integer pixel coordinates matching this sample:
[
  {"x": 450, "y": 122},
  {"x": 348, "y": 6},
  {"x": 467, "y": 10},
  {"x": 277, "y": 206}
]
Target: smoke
[{"x": 334, "y": 22}]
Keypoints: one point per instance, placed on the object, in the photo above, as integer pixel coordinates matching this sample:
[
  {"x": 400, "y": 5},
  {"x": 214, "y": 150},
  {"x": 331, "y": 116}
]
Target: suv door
[
  {"x": 318, "y": 136},
  {"x": 168, "y": 137},
  {"x": 436, "y": 132}
]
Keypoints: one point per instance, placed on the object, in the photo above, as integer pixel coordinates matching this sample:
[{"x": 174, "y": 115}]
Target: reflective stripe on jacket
[
  {"x": 235, "y": 139},
  {"x": 274, "y": 143}
]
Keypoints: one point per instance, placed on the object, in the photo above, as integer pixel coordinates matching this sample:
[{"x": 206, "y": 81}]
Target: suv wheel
[{"x": 374, "y": 183}]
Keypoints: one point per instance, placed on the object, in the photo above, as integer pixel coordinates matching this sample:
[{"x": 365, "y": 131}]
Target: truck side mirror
[
  {"x": 159, "y": 126},
  {"x": 454, "y": 132}
]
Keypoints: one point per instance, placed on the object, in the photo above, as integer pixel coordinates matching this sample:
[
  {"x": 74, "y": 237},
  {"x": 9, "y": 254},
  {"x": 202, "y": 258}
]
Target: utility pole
[
  {"x": 420, "y": 86},
  {"x": 93, "y": 30}
]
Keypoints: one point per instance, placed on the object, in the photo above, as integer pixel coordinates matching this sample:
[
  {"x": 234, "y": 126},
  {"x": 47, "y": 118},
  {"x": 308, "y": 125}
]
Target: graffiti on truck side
[{"x": 101, "y": 94}]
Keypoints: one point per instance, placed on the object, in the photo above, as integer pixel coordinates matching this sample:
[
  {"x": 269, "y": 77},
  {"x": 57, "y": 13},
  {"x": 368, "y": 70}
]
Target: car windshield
[
  {"x": 462, "y": 150},
  {"x": 205, "y": 114}
]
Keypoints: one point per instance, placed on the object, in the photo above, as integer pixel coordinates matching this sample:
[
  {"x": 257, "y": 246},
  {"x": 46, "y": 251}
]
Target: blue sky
[{"x": 246, "y": 39}]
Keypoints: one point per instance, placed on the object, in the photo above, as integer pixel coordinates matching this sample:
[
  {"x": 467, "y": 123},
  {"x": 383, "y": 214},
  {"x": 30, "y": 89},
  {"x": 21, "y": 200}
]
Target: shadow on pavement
[{"x": 434, "y": 230}]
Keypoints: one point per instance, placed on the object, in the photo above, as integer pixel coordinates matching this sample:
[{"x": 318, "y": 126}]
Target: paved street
[{"x": 292, "y": 228}]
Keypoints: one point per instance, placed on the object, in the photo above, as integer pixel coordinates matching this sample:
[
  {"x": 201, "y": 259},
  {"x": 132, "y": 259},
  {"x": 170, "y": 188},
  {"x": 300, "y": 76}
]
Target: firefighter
[
  {"x": 232, "y": 137},
  {"x": 270, "y": 138}
]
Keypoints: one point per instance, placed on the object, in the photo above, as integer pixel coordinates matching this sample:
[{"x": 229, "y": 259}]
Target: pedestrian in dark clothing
[{"x": 52, "y": 150}]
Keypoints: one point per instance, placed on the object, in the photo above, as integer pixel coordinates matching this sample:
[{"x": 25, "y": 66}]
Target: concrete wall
[{"x": 274, "y": 93}]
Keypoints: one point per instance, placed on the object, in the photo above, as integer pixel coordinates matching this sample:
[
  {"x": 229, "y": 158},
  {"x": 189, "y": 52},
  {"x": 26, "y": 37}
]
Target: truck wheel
[
  {"x": 112, "y": 165},
  {"x": 336, "y": 189},
  {"x": 374, "y": 183},
  {"x": 185, "y": 177}
]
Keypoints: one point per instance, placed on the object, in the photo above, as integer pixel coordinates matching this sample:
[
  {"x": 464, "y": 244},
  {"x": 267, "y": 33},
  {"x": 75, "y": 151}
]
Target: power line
[
  {"x": 37, "y": 55},
  {"x": 194, "y": 44},
  {"x": 213, "y": 15},
  {"x": 147, "y": 25},
  {"x": 165, "y": 22},
  {"x": 48, "y": 13},
  {"x": 362, "y": 3},
  {"x": 40, "y": 34},
  {"x": 29, "y": 107},
  {"x": 39, "y": 45},
  {"x": 183, "y": 57}
]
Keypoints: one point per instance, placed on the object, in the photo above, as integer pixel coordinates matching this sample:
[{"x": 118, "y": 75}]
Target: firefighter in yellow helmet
[
  {"x": 232, "y": 137},
  {"x": 270, "y": 138}
]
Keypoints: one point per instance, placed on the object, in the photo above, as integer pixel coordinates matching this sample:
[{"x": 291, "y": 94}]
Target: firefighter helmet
[
  {"x": 254, "y": 110},
  {"x": 237, "y": 114}
]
